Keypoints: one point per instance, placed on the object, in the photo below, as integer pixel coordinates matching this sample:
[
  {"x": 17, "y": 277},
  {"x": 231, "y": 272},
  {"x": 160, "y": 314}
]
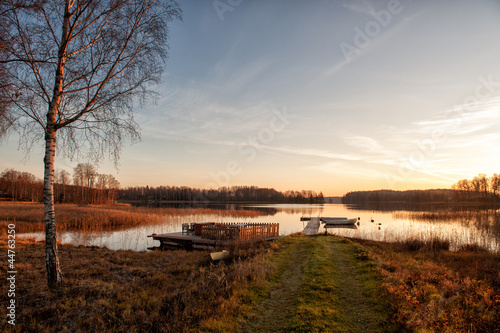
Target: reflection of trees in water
[
  {"x": 270, "y": 211},
  {"x": 483, "y": 220},
  {"x": 391, "y": 206},
  {"x": 267, "y": 210},
  {"x": 305, "y": 211}
]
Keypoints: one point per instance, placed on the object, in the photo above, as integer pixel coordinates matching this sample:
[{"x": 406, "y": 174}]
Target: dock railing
[{"x": 240, "y": 231}]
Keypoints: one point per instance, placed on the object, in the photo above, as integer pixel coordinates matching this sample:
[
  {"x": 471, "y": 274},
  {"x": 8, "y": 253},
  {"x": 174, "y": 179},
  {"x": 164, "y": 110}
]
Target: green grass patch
[
  {"x": 309, "y": 289},
  {"x": 339, "y": 290}
]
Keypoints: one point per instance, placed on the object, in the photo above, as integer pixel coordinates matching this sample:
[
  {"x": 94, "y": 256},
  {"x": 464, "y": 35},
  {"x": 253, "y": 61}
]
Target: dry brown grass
[
  {"x": 29, "y": 217},
  {"x": 122, "y": 291},
  {"x": 423, "y": 244},
  {"x": 438, "y": 290}
]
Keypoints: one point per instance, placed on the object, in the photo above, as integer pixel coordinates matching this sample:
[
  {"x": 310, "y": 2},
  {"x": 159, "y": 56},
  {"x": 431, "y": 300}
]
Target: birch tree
[
  {"x": 77, "y": 69},
  {"x": 61, "y": 177}
]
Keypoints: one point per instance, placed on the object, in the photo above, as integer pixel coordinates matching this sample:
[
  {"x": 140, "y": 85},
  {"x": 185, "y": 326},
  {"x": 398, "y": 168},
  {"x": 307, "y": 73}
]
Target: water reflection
[
  {"x": 289, "y": 209},
  {"x": 333, "y": 227},
  {"x": 459, "y": 225},
  {"x": 267, "y": 209},
  {"x": 486, "y": 220},
  {"x": 422, "y": 207}
]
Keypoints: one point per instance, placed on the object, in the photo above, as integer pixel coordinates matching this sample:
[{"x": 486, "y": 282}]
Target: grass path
[
  {"x": 358, "y": 310},
  {"x": 272, "y": 313},
  {"x": 323, "y": 284}
]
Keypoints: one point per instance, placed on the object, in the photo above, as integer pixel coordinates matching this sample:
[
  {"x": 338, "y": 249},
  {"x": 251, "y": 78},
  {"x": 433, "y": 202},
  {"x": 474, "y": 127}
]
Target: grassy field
[
  {"x": 127, "y": 291},
  {"x": 295, "y": 284}
]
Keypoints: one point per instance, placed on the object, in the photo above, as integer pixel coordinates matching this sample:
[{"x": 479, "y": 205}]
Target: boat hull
[{"x": 338, "y": 221}]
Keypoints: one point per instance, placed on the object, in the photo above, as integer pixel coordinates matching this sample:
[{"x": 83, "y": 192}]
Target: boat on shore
[
  {"x": 338, "y": 220},
  {"x": 220, "y": 255}
]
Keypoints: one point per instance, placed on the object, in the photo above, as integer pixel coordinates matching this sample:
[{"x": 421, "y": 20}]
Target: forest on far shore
[
  {"x": 479, "y": 189},
  {"x": 232, "y": 194},
  {"x": 88, "y": 186}
]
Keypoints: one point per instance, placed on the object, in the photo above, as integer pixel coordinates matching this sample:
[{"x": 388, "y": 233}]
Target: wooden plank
[{"x": 312, "y": 227}]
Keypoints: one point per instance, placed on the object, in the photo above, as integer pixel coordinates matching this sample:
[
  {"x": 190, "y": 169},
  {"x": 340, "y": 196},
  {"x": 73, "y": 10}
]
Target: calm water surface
[{"x": 460, "y": 227}]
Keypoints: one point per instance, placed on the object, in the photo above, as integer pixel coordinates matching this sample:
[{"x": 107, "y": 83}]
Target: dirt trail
[{"x": 352, "y": 306}]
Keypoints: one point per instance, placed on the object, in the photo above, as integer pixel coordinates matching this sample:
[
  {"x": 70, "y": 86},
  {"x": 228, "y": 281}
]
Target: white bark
[{"x": 54, "y": 275}]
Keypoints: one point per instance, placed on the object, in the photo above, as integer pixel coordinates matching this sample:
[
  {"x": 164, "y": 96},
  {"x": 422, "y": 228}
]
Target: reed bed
[
  {"x": 475, "y": 217},
  {"x": 429, "y": 237},
  {"x": 454, "y": 238},
  {"x": 29, "y": 218}
]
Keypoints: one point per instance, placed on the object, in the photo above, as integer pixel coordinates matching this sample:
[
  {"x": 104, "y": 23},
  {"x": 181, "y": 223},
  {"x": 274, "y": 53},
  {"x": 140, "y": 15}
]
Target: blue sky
[{"x": 330, "y": 96}]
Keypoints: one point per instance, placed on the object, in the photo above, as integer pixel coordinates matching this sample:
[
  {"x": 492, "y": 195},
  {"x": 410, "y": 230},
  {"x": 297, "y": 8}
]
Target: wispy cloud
[
  {"x": 455, "y": 121},
  {"x": 364, "y": 143},
  {"x": 313, "y": 152},
  {"x": 364, "y": 7},
  {"x": 425, "y": 150}
]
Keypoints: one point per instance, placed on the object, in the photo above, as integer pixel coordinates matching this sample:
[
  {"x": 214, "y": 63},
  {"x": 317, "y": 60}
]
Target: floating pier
[
  {"x": 312, "y": 226},
  {"x": 211, "y": 235}
]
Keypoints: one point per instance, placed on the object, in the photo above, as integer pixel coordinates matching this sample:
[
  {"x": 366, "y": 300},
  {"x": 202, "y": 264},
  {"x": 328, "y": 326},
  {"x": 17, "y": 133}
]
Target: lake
[{"x": 458, "y": 225}]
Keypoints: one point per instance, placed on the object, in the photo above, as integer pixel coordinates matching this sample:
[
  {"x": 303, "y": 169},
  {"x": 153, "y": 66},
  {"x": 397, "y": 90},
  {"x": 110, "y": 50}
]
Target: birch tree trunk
[{"x": 54, "y": 275}]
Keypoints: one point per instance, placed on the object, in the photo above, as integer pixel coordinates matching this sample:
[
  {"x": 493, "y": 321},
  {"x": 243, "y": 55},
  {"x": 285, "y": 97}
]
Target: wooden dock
[
  {"x": 312, "y": 226},
  {"x": 180, "y": 240},
  {"x": 217, "y": 235}
]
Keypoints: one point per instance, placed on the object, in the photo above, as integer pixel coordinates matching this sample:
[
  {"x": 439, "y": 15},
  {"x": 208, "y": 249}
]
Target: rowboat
[
  {"x": 219, "y": 255},
  {"x": 340, "y": 226},
  {"x": 338, "y": 220}
]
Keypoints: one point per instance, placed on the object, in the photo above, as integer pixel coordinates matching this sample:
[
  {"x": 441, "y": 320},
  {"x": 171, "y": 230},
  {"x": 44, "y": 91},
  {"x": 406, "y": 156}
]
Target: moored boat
[{"x": 338, "y": 220}]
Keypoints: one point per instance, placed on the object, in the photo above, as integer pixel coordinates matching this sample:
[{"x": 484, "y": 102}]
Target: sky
[{"x": 324, "y": 95}]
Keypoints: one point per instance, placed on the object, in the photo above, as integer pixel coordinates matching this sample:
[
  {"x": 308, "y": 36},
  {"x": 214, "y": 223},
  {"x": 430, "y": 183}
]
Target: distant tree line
[
  {"x": 86, "y": 186},
  {"x": 479, "y": 189},
  {"x": 20, "y": 186},
  {"x": 220, "y": 195},
  {"x": 412, "y": 196}
]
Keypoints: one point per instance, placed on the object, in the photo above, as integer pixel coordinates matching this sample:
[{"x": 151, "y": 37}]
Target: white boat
[
  {"x": 219, "y": 255},
  {"x": 338, "y": 220},
  {"x": 340, "y": 226}
]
